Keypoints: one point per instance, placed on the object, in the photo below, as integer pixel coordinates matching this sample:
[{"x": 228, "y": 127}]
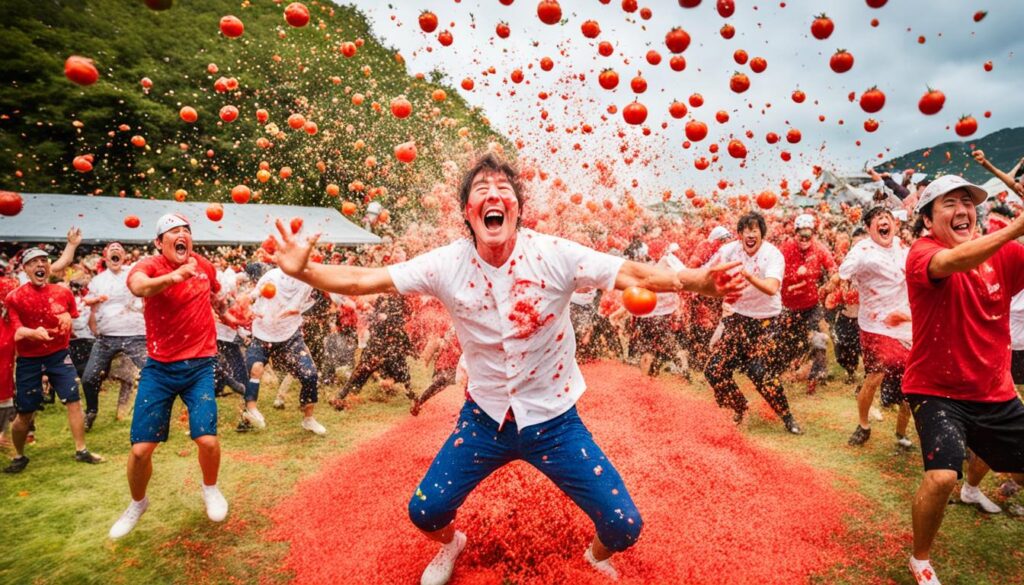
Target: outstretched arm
[
  {"x": 969, "y": 255},
  {"x": 74, "y": 239},
  {"x": 292, "y": 257},
  {"x": 979, "y": 157},
  {"x": 143, "y": 285},
  {"x": 714, "y": 281}
]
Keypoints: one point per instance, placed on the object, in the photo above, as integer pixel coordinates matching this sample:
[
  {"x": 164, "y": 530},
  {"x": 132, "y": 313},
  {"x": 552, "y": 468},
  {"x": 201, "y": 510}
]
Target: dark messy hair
[
  {"x": 750, "y": 220},
  {"x": 490, "y": 163}
]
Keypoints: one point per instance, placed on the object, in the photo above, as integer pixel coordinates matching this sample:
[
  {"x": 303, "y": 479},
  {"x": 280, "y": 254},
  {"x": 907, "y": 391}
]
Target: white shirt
[
  {"x": 121, "y": 313},
  {"x": 584, "y": 298},
  {"x": 1017, "y": 322},
  {"x": 228, "y": 280},
  {"x": 767, "y": 262},
  {"x": 292, "y": 295},
  {"x": 880, "y": 277},
  {"x": 80, "y": 326},
  {"x": 513, "y": 321},
  {"x": 667, "y": 303}
]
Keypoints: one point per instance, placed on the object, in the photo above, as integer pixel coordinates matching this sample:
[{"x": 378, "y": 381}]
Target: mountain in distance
[{"x": 1003, "y": 148}]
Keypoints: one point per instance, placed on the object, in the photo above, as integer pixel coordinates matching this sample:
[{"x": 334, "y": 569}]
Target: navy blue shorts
[
  {"x": 28, "y": 380},
  {"x": 160, "y": 384}
]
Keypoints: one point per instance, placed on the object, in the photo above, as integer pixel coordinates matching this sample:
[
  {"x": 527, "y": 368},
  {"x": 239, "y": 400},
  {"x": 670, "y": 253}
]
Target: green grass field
[{"x": 56, "y": 514}]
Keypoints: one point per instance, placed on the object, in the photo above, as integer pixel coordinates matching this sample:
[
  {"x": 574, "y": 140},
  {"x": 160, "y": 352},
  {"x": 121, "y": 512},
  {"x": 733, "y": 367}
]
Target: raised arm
[
  {"x": 979, "y": 157},
  {"x": 74, "y": 239},
  {"x": 143, "y": 285},
  {"x": 970, "y": 255},
  {"x": 293, "y": 258},
  {"x": 714, "y": 281}
]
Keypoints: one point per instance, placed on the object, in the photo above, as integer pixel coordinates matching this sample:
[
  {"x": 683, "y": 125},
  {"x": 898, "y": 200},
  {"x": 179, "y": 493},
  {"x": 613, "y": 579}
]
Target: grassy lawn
[{"x": 57, "y": 512}]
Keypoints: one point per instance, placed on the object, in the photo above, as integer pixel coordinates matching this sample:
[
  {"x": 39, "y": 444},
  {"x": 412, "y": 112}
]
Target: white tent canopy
[{"x": 47, "y": 218}]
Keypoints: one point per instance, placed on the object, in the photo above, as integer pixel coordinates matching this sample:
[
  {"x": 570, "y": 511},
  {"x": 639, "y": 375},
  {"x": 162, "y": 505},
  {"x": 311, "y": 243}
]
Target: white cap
[
  {"x": 32, "y": 254},
  {"x": 719, "y": 233},
  {"x": 945, "y": 184},
  {"x": 804, "y": 221},
  {"x": 170, "y": 221}
]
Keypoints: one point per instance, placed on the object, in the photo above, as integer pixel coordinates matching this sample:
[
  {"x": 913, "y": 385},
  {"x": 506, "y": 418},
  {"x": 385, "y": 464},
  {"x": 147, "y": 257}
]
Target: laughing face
[
  {"x": 953, "y": 218},
  {"x": 804, "y": 238},
  {"x": 882, "y": 228},
  {"x": 751, "y": 238},
  {"x": 176, "y": 244},
  {"x": 38, "y": 270},
  {"x": 492, "y": 211},
  {"x": 114, "y": 257}
]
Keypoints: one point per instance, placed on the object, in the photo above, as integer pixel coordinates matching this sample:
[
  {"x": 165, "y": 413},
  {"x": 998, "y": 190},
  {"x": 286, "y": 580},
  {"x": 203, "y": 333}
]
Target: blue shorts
[
  {"x": 28, "y": 380},
  {"x": 561, "y": 448},
  {"x": 160, "y": 384}
]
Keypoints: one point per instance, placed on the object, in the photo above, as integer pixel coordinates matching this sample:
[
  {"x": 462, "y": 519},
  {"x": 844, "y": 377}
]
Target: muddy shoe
[{"x": 859, "y": 437}]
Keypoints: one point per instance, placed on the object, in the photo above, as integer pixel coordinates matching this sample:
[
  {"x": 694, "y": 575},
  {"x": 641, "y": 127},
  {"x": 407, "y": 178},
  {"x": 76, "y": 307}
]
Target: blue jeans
[
  {"x": 561, "y": 448},
  {"x": 28, "y": 380},
  {"x": 292, "y": 356},
  {"x": 103, "y": 351},
  {"x": 160, "y": 384}
]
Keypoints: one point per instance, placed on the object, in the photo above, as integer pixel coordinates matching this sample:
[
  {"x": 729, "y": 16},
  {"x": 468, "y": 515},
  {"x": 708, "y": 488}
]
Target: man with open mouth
[
  {"x": 178, "y": 287},
  {"x": 750, "y": 339},
  {"x": 120, "y": 329},
  {"x": 40, "y": 314},
  {"x": 958, "y": 379},
  {"x": 508, "y": 290}
]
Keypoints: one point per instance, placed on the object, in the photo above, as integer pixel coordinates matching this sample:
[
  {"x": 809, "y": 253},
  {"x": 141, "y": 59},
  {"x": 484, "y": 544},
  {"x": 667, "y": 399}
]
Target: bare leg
[
  {"x": 444, "y": 535},
  {"x": 646, "y": 361},
  {"x": 866, "y": 395},
  {"x": 308, "y": 409},
  {"x": 976, "y": 471},
  {"x": 76, "y": 420},
  {"x": 929, "y": 507},
  {"x": 19, "y": 431},
  {"x": 599, "y": 550},
  {"x": 140, "y": 468},
  {"x": 209, "y": 457},
  {"x": 903, "y": 419}
]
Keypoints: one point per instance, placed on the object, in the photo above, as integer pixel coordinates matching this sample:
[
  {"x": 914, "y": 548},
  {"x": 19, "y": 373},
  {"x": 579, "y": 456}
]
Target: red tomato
[
  {"x": 696, "y": 130},
  {"x": 10, "y": 203},
  {"x": 638, "y": 84},
  {"x": 296, "y": 14},
  {"x": 793, "y": 136},
  {"x": 722, "y": 116},
  {"x": 654, "y": 57},
  {"x": 231, "y": 26},
  {"x": 799, "y": 96},
  {"x": 229, "y": 113},
  {"x": 727, "y": 31},
  {"x": 696, "y": 100},
  {"x": 146, "y": 83},
  {"x": 468, "y": 84},
  {"x": 822, "y": 27},
  {"x": 725, "y": 8},
  {"x": 576, "y": 198},
  {"x": 188, "y": 114},
  {"x": 767, "y": 200},
  {"x": 406, "y": 152},
  {"x": 979, "y": 15},
  {"x": 132, "y": 221},
  {"x": 516, "y": 76},
  {"x": 771, "y": 138},
  {"x": 871, "y": 124},
  {"x": 876, "y": 3},
  {"x": 689, "y": 3},
  {"x": 82, "y": 164},
  {"x": 608, "y": 79},
  {"x": 931, "y": 102},
  {"x": 966, "y": 126},
  {"x": 634, "y": 113},
  {"x": 296, "y": 121},
  {"x": 739, "y": 82},
  {"x": 502, "y": 30},
  {"x": 677, "y": 109},
  {"x": 737, "y": 149},
  {"x": 549, "y": 12},
  {"x": 841, "y": 61},
  {"x": 240, "y": 194},
  {"x": 268, "y": 290},
  {"x": 428, "y": 21},
  {"x": 296, "y": 224},
  {"x": 348, "y": 48},
  {"x": 740, "y": 56},
  {"x": 988, "y": 66},
  {"x": 445, "y": 38},
  {"x": 677, "y": 63},
  {"x": 639, "y": 301},
  {"x": 81, "y": 70},
  {"x": 138, "y": 141},
  {"x": 872, "y": 100},
  {"x": 677, "y": 40},
  {"x": 591, "y": 29},
  {"x": 758, "y": 64},
  {"x": 262, "y": 116},
  {"x": 348, "y": 208},
  {"x": 547, "y": 64},
  {"x": 604, "y": 48},
  {"x": 401, "y": 107}
]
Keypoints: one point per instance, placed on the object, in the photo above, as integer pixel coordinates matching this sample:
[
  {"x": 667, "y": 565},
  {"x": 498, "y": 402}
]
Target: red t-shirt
[
  {"x": 38, "y": 306},
  {"x": 804, "y": 270},
  {"x": 961, "y": 326},
  {"x": 179, "y": 320}
]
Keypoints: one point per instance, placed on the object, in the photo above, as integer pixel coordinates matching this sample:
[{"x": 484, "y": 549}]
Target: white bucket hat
[
  {"x": 804, "y": 221},
  {"x": 945, "y": 184},
  {"x": 719, "y": 233}
]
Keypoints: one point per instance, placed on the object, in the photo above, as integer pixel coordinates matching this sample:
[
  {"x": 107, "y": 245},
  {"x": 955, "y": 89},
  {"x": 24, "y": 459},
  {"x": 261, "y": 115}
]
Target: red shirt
[
  {"x": 961, "y": 326},
  {"x": 804, "y": 271},
  {"x": 38, "y": 306},
  {"x": 179, "y": 320}
]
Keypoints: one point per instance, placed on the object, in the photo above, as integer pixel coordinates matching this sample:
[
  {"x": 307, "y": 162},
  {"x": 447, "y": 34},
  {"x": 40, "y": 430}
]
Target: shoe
[
  {"x": 791, "y": 425},
  {"x": 279, "y": 403},
  {"x": 875, "y": 414},
  {"x": 923, "y": 572},
  {"x": 18, "y": 464},
  {"x": 970, "y": 494},
  {"x": 90, "y": 418},
  {"x": 338, "y": 404},
  {"x": 84, "y": 456},
  {"x": 739, "y": 414},
  {"x": 129, "y": 518},
  {"x": 439, "y": 571},
  {"x": 903, "y": 442},
  {"x": 311, "y": 425},
  {"x": 216, "y": 505},
  {"x": 859, "y": 437},
  {"x": 604, "y": 567},
  {"x": 255, "y": 418}
]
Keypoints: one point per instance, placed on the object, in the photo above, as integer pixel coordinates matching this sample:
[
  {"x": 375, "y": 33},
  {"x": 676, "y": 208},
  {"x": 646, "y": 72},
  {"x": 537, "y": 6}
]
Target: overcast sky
[{"x": 889, "y": 56}]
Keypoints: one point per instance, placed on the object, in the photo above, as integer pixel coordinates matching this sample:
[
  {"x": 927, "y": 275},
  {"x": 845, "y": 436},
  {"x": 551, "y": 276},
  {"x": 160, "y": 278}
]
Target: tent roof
[{"x": 47, "y": 218}]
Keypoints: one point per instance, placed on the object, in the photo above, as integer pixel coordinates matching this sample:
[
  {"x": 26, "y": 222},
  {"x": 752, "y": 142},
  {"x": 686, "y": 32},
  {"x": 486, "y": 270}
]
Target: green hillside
[
  {"x": 1004, "y": 148},
  {"x": 46, "y": 120}
]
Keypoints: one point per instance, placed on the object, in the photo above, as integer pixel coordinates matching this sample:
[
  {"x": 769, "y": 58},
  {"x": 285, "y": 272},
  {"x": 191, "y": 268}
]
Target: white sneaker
[
  {"x": 970, "y": 494},
  {"x": 903, "y": 442},
  {"x": 604, "y": 567},
  {"x": 923, "y": 572},
  {"x": 875, "y": 414},
  {"x": 279, "y": 403},
  {"x": 216, "y": 505},
  {"x": 255, "y": 418},
  {"x": 311, "y": 425},
  {"x": 129, "y": 519},
  {"x": 439, "y": 571}
]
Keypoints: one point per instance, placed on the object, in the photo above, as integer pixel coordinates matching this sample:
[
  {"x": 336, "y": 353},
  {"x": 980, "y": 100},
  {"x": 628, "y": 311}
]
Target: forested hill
[
  {"x": 46, "y": 120},
  {"x": 1004, "y": 148}
]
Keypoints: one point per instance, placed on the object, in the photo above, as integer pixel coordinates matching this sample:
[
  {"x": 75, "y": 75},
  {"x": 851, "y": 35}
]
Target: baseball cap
[
  {"x": 31, "y": 254},
  {"x": 804, "y": 221},
  {"x": 170, "y": 221},
  {"x": 945, "y": 184},
  {"x": 719, "y": 233}
]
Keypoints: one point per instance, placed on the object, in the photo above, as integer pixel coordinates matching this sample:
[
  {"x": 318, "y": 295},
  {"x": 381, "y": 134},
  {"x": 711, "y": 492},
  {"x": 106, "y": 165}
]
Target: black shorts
[
  {"x": 652, "y": 335},
  {"x": 947, "y": 428},
  {"x": 1017, "y": 366}
]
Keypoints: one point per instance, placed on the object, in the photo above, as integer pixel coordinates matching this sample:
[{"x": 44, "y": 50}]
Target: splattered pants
[
  {"x": 748, "y": 345},
  {"x": 292, "y": 356},
  {"x": 561, "y": 448}
]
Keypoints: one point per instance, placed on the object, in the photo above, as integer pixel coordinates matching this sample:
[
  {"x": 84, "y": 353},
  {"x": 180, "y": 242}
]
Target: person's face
[
  {"x": 176, "y": 244},
  {"x": 751, "y": 238},
  {"x": 114, "y": 257},
  {"x": 882, "y": 228},
  {"x": 953, "y": 218},
  {"x": 492, "y": 209},
  {"x": 804, "y": 238},
  {"x": 38, "y": 270}
]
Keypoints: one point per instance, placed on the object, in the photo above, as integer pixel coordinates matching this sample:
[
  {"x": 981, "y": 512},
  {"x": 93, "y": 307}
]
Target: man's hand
[
  {"x": 37, "y": 334},
  {"x": 63, "y": 323},
  {"x": 74, "y": 237},
  {"x": 185, "y": 271},
  {"x": 979, "y": 156},
  {"x": 716, "y": 281},
  {"x": 292, "y": 252},
  {"x": 90, "y": 301},
  {"x": 896, "y": 318}
]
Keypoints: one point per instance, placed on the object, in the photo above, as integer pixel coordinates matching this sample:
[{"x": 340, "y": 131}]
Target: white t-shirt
[
  {"x": 228, "y": 280},
  {"x": 767, "y": 262},
  {"x": 1017, "y": 322},
  {"x": 513, "y": 321},
  {"x": 121, "y": 313},
  {"x": 880, "y": 277},
  {"x": 292, "y": 295},
  {"x": 80, "y": 326},
  {"x": 584, "y": 298}
]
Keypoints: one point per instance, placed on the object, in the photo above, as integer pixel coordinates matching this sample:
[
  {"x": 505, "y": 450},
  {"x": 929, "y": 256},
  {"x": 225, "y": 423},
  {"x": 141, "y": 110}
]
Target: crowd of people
[{"x": 930, "y": 307}]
